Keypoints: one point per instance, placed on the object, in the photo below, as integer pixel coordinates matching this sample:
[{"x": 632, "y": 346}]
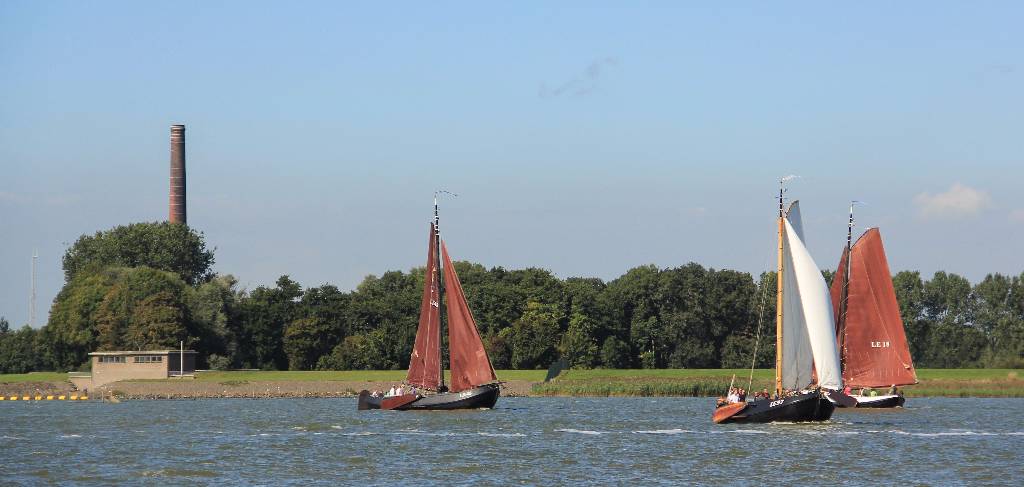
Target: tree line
[{"x": 151, "y": 286}]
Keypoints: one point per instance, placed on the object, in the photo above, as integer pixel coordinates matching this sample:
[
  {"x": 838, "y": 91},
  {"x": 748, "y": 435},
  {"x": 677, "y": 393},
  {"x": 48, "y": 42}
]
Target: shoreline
[
  {"x": 1003, "y": 383},
  {"x": 178, "y": 389}
]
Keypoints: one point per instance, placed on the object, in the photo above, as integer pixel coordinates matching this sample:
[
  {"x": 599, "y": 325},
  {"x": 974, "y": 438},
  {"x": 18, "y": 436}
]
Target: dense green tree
[
  {"x": 360, "y": 352},
  {"x": 535, "y": 335},
  {"x": 18, "y": 353},
  {"x": 263, "y": 317},
  {"x": 997, "y": 314},
  {"x": 615, "y": 353},
  {"x": 214, "y": 312},
  {"x": 143, "y": 309},
  {"x": 165, "y": 246},
  {"x": 579, "y": 344},
  {"x": 72, "y": 329},
  {"x": 151, "y": 285},
  {"x": 305, "y": 341}
]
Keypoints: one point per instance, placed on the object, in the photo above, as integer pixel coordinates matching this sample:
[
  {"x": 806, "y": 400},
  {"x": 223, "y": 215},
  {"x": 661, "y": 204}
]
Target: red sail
[
  {"x": 875, "y": 350},
  {"x": 425, "y": 362},
  {"x": 469, "y": 363}
]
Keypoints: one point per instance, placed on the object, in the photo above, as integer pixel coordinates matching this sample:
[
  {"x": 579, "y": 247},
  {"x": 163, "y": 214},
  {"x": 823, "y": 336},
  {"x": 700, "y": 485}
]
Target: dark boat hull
[
  {"x": 886, "y": 401},
  {"x": 874, "y": 402},
  {"x": 482, "y": 397},
  {"x": 810, "y": 406}
]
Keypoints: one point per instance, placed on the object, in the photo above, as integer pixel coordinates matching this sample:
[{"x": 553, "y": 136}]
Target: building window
[
  {"x": 107, "y": 359},
  {"x": 148, "y": 359}
]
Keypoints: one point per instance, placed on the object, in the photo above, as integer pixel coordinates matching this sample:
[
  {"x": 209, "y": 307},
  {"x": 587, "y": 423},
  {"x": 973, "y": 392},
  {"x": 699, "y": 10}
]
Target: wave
[
  {"x": 177, "y": 472},
  {"x": 664, "y": 432},
  {"x": 945, "y": 433},
  {"x": 71, "y": 436},
  {"x": 581, "y": 432}
]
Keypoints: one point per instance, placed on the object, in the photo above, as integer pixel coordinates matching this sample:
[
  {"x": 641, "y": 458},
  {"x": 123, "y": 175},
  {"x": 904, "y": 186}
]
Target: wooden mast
[
  {"x": 844, "y": 296},
  {"x": 778, "y": 299},
  {"x": 440, "y": 293}
]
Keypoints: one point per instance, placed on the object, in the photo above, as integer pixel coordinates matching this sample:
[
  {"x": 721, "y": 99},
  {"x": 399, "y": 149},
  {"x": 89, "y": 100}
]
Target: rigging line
[{"x": 757, "y": 340}]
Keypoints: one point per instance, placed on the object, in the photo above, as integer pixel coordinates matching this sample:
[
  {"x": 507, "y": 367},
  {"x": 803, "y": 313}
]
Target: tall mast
[
  {"x": 778, "y": 298},
  {"x": 440, "y": 288},
  {"x": 845, "y": 293}
]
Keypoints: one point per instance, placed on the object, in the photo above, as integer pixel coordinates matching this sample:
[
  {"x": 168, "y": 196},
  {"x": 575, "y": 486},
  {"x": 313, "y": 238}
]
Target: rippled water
[{"x": 523, "y": 441}]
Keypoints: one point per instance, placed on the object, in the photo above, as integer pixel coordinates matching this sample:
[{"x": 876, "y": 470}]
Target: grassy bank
[
  {"x": 34, "y": 377},
  {"x": 615, "y": 382},
  {"x": 660, "y": 382},
  {"x": 714, "y": 382}
]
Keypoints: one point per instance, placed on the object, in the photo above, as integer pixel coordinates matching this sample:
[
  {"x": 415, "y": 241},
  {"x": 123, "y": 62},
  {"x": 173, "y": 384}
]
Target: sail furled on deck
[
  {"x": 876, "y": 352},
  {"x": 425, "y": 361},
  {"x": 470, "y": 365},
  {"x": 808, "y": 334}
]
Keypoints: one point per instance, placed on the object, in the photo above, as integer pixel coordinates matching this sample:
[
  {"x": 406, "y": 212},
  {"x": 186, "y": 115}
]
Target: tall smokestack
[{"x": 176, "y": 208}]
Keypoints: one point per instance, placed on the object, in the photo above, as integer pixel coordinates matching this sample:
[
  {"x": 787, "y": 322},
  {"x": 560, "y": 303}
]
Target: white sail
[
  {"x": 793, "y": 215},
  {"x": 797, "y": 357},
  {"x": 808, "y": 326}
]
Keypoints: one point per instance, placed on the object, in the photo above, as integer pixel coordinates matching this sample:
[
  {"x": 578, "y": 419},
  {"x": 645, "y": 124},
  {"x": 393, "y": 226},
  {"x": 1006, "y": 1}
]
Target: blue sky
[{"x": 586, "y": 138}]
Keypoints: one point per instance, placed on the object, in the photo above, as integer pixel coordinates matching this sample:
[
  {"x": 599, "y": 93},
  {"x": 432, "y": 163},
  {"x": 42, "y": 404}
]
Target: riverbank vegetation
[
  {"x": 714, "y": 382},
  {"x": 601, "y": 382},
  {"x": 151, "y": 285}
]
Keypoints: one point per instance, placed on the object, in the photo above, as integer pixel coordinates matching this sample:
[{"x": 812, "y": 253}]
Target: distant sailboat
[
  {"x": 805, "y": 341},
  {"x": 473, "y": 382},
  {"x": 872, "y": 343}
]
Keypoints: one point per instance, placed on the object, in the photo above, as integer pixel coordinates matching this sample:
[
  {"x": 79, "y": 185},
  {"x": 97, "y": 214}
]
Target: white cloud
[
  {"x": 958, "y": 202},
  {"x": 1017, "y": 216}
]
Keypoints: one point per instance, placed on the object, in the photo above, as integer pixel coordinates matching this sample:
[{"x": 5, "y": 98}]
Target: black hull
[
  {"x": 810, "y": 406},
  {"x": 483, "y": 397},
  {"x": 880, "y": 402}
]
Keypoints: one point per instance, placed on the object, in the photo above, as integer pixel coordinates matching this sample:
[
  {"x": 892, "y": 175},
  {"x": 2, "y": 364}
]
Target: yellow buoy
[
  {"x": 39, "y": 398},
  {"x": 14, "y": 398},
  {"x": 3, "y": 398},
  {"x": 61, "y": 398},
  {"x": 83, "y": 398},
  {"x": 73, "y": 398},
  {"x": 49, "y": 398},
  {"x": 25, "y": 398}
]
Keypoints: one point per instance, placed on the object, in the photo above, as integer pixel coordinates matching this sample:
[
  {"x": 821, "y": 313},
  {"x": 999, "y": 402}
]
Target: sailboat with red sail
[
  {"x": 872, "y": 343},
  {"x": 473, "y": 382}
]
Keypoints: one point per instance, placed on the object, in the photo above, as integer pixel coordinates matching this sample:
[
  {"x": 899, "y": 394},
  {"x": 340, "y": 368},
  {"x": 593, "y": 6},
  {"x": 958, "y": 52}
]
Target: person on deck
[
  {"x": 892, "y": 390},
  {"x": 847, "y": 389}
]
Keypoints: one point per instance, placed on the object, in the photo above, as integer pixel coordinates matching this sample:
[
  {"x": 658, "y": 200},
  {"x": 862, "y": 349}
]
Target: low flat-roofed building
[{"x": 110, "y": 367}]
